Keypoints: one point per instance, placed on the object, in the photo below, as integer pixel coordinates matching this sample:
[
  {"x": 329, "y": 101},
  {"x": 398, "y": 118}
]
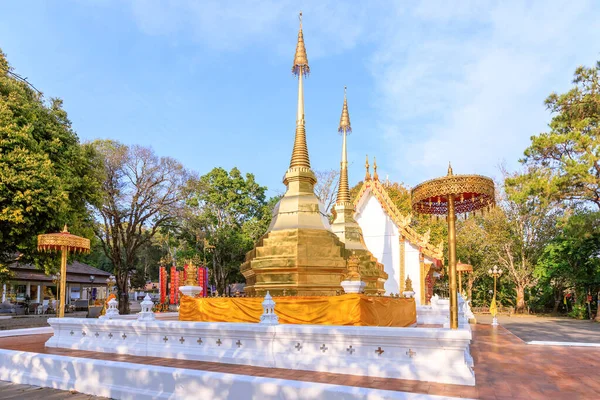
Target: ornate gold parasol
[
  {"x": 451, "y": 195},
  {"x": 460, "y": 269},
  {"x": 65, "y": 243}
]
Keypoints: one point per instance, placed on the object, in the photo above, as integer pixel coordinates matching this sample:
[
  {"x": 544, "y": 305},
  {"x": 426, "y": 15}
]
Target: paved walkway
[
  {"x": 27, "y": 392},
  {"x": 530, "y": 328}
]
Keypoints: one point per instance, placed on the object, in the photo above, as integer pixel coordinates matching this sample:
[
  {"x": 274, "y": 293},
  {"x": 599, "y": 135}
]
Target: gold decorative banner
[{"x": 348, "y": 309}]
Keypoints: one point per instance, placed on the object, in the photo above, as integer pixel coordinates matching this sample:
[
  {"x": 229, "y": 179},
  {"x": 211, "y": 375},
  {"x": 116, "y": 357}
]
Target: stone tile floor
[
  {"x": 505, "y": 368},
  {"x": 558, "y": 329}
]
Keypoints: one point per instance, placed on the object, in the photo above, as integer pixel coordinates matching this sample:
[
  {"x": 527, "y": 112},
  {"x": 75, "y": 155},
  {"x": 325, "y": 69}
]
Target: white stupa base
[
  {"x": 353, "y": 286},
  {"x": 495, "y": 321},
  {"x": 425, "y": 354},
  {"x": 409, "y": 294},
  {"x": 191, "y": 291}
]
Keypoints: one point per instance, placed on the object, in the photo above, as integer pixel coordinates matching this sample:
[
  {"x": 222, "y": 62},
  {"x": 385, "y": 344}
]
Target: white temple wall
[
  {"x": 413, "y": 268},
  {"x": 381, "y": 237}
]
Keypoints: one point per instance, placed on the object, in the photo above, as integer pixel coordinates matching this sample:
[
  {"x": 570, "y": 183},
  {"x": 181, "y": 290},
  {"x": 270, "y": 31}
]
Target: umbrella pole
[
  {"x": 452, "y": 263},
  {"x": 63, "y": 281}
]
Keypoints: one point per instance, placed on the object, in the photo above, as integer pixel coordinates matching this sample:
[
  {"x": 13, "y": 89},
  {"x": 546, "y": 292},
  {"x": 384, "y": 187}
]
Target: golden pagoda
[
  {"x": 345, "y": 226},
  {"x": 299, "y": 253}
]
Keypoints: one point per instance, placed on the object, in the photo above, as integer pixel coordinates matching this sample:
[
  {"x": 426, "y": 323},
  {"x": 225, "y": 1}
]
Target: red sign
[
  {"x": 203, "y": 279},
  {"x": 162, "y": 277},
  {"x": 173, "y": 285}
]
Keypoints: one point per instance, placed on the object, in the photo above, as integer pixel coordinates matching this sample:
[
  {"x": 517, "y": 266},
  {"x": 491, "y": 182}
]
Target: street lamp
[
  {"x": 495, "y": 272},
  {"x": 92, "y": 278},
  {"x": 56, "y": 281}
]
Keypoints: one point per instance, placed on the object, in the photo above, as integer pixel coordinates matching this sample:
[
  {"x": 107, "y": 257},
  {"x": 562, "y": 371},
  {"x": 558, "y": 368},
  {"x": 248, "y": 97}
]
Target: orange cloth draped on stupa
[{"x": 347, "y": 309}]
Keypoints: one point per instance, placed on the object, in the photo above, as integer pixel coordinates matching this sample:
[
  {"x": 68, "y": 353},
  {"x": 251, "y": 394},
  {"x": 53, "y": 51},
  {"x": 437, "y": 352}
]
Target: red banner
[
  {"x": 173, "y": 285},
  {"x": 162, "y": 279},
  {"x": 203, "y": 280}
]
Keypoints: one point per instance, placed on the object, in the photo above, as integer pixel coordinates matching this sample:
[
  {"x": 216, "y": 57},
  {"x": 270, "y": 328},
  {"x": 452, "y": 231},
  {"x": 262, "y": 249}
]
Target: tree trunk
[
  {"x": 470, "y": 287},
  {"x": 123, "y": 294},
  {"x": 520, "y": 299},
  {"x": 557, "y": 300}
]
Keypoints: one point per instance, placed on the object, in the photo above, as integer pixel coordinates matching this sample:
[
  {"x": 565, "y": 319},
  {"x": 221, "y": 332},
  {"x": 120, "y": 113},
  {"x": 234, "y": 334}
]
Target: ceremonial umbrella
[
  {"x": 451, "y": 195},
  {"x": 460, "y": 268},
  {"x": 65, "y": 243}
]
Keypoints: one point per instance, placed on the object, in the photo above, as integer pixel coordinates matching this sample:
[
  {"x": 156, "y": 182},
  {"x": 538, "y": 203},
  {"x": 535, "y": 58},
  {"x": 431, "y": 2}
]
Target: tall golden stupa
[
  {"x": 345, "y": 226},
  {"x": 299, "y": 254}
]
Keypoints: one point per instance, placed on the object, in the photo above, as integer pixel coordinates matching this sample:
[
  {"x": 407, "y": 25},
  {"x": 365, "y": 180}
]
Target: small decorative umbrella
[
  {"x": 65, "y": 243},
  {"x": 460, "y": 269},
  {"x": 451, "y": 195}
]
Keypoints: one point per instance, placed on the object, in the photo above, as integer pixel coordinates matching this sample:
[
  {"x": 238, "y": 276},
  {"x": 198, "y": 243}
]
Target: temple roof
[{"x": 378, "y": 190}]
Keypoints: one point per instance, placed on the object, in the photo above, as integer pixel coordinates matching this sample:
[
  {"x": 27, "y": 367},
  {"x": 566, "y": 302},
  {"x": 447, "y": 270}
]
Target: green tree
[
  {"x": 564, "y": 163},
  {"x": 47, "y": 178},
  {"x": 516, "y": 234},
  {"x": 572, "y": 259},
  {"x": 231, "y": 212},
  {"x": 141, "y": 193}
]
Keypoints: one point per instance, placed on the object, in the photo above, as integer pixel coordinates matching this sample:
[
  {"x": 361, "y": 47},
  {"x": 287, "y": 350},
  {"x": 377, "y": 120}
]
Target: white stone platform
[
  {"x": 130, "y": 381},
  {"x": 426, "y": 354}
]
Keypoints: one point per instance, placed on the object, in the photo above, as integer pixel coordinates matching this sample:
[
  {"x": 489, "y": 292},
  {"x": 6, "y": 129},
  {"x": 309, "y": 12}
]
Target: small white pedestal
[
  {"x": 191, "y": 291},
  {"x": 495, "y": 321},
  {"x": 353, "y": 286},
  {"x": 409, "y": 294}
]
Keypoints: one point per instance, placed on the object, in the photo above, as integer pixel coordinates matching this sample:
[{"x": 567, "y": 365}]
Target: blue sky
[{"x": 209, "y": 82}]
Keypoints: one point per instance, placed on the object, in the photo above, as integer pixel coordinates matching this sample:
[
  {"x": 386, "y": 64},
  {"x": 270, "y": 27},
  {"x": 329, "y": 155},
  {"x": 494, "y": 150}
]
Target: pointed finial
[
  {"x": 345, "y": 118},
  {"x": 375, "y": 175},
  {"x": 450, "y": 169},
  {"x": 300, "y": 66},
  {"x": 368, "y": 174},
  {"x": 65, "y": 230}
]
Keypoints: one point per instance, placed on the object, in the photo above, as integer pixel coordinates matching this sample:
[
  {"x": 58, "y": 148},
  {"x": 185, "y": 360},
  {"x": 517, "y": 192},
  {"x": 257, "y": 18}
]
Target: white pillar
[
  {"x": 28, "y": 289},
  {"x": 39, "y": 294},
  {"x": 4, "y": 293}
]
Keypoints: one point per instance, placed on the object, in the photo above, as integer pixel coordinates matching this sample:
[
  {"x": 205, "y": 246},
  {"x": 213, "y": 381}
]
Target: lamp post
[
  {"x": 495, "y": 272},
  {"x": 92, "y": 279},
  {"x": 56, "y": 281},
  {"x": 110, "y": 282},
  {"x": 448, "y": 196}
]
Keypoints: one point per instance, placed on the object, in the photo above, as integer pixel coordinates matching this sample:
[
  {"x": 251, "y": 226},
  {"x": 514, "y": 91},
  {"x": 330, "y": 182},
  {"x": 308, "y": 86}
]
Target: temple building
[
  {"x": 299, "y": 254},
  {"x": 390, "y": 238},
  {"x": 345, "y": 226}
]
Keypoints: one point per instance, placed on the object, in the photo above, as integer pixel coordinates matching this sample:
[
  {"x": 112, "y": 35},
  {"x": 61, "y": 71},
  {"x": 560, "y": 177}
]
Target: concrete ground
[
  {"x": 529, "y": 328},
  {"x": 23, "y": 392}
]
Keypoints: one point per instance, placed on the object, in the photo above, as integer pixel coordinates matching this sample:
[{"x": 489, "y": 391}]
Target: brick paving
[
  {"x": 505, "y": 368},
  {"x": 27, "y": 392}
]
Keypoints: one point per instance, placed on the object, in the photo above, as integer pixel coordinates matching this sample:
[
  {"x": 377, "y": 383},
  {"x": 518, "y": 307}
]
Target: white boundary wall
[
  {"x": 121, "y": 380},
  {"x": 426, "y": 354}
]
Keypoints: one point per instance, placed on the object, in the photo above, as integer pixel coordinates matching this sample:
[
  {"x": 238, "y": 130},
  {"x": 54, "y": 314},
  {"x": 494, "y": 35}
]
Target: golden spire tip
[
  {"x": 300, "y": 66},
  {"x": 375, "y": 175},
  {"x": 345, "y": 118},
  {"x": 450, "y": 173},
  {"x": 65, "y": 230},
  {"x": 368, "y": 174}
]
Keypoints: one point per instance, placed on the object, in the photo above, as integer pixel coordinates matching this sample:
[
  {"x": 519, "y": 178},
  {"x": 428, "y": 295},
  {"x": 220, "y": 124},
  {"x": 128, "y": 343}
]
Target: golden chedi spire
[
  {"x": 367, "y": 174},
  {"x": 346, "y": 227},
  {"x": 300, "y": 69},
  {"x": 299, "y": 254},
  {"x": 343, "y": 195},
  {"x": 450, "y": 173},
  {"x": 375, "y": 175}
]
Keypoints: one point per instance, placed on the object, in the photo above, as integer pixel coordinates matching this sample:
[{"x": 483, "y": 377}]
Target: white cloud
[{"x": 469, "y": 87}]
